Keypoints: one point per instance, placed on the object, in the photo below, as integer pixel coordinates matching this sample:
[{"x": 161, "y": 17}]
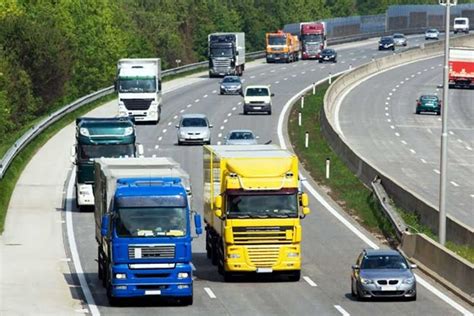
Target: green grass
[
  {"x": 7, "y": 184},
  {"x": 343, "y": 186}
]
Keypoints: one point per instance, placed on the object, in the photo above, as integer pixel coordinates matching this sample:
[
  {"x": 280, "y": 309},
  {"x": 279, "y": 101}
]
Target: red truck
[
  {"x": 461, "y": 67},
  {"x": 312, "y": 36}
]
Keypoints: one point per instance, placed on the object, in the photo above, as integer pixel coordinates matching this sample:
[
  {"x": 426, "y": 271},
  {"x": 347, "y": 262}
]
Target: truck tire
[
  {"x": 100, "y": 267},
  {"x": 214, "y": 253},
  {"x": 208, "y": 248},
  {"x": 228, "y": 276},
  {"x": 186, "y": 300}
]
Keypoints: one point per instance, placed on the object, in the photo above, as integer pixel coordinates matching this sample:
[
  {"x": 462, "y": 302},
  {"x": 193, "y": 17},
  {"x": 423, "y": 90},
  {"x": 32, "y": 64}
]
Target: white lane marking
[
  {"x": 294, "y": 76},
  {"x": 160, "y": 138},
  {"x": 229, "y": 114},
  {"x": 388, "y": 98},
  {"x": 181, "y": 111},
  {"x": 156, "y": 146},
  {"x": 205, "y": 96},
  {"x": 303, "y": 72},
  {"x": 313, "y": 69},
  {"x": 219, "y": 135},
  {"x": 225, "y": 121},
  {"x": 240, "y": 103},
  {"x": 283, "y": 68},
  {"x": 72, "y": 246},
  {"x": 413, "y": 76},
  {"x": 196, "y": 101},
  {"x": 252, "y": 77},
  {"x": 218, "y": 143},
  {"x": 214, "y": 91},
  {"x": 390, "y": 93},
  {"x": 402, "y": 82},
  {"x": 389, "y": 120},
  {"x": 429, "y": 130},
  {"x": 419, "y": 72},
  {"x": 387, "y": 114},
  {"x": 175, "y": 117},
  {"x": 403, "y": 142},
  {"x": 386, "y": 108},
  {"x": 459, "y": 140},
  {"x": 164, "y": 130},
  {"x": 397, "y": 134},
  {"x": 394, "y": 89},
  {"x": 209, "y": 292},
  {"x": 451, "y": 133},
  {"x": 262, "y": 74},
  {"x": 341, "y": 310},
  {"x": 392, "y": 127},
  {"x": 189, "y": 105},
  {"x": 454, "y": 183},
  {"x": 472, "y": 195},
  {"x": 277, "y": 82},
  {"x": 222, "y": 127},
  {"x": 243, "y": 80},
  {"x": 309, "y": 281},
  {"x": 386, "y": 103},
  {"x": 234, "y": 108},
  {"x": 412, "y": 151},
  {"x": 468, "y": 148},
  {"x": 436, "y": 171},
  {"x": 193, "y": 267},
  {"x": 272, "y": 70},
  {"x": 422, "y": 160},
  {"x": 169, "y": 123},
  {"x": 351, "y": 227},
  {"x": 397, "y": 86},
  {"x": 285, "y": 78}
]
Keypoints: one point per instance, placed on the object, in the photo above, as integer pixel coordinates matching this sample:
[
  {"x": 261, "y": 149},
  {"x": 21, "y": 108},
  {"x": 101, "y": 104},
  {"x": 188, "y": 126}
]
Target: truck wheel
[
  {"x": 208, "y": 248},
  {"x": 186, "y": 300},
  {"x": 113, "y": 301},
  {"x": 214, "y": 253},
  {"x": 295, "y": 276},
  {"x": 100, "y": 269}
]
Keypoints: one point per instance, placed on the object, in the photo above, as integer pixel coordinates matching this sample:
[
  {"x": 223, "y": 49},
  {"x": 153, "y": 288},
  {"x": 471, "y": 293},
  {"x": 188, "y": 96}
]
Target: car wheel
[
  {"x": 413, "y": 298},
  {"x": 438, "y": 113},
  {"x": 417, "y": 112},
  {"x": 320, "y": 61},
  {"x": 334, "y": 61},
  {"x": 245, "y": 112},
  {"x": 269, "y": 112}
]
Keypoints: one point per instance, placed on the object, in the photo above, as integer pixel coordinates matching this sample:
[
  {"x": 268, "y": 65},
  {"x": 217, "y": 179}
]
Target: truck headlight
[
  {"x": 152, "y": 113},
  {"x": 120, "y": 276},
  {"x": 128, "y": 131},
  {"x": 293, "y": 254},
  {"x": 84, "y": 131},
  {"x": 183, "y": 275},
  {"x": 233, "y": 256}
]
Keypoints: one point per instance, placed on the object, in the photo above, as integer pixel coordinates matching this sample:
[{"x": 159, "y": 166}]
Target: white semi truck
[{"x": 138, "y": 84}]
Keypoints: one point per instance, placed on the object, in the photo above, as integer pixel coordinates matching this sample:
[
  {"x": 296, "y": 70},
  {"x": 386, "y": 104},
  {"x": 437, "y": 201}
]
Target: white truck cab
[{"x": 461, "y": 25}]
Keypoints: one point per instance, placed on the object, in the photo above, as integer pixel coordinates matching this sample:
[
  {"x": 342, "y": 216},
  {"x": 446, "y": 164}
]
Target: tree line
[{"x": 54, "y": 51}]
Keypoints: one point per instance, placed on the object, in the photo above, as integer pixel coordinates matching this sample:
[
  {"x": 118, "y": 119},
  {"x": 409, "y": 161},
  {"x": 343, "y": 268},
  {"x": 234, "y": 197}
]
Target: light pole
[{"x": 444, "y": 128}]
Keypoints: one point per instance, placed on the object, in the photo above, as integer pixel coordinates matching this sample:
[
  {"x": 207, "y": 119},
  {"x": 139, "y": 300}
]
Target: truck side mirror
[
  {"x": 218, "y": 201},
  {"x": 140, "y": 150},
  {"x": 218, "y": 212},
  {"x": 304, "y": 200},
  {"x": 306, "y": 211},
  {"x": 272, "y": 95},
  {"x": 115, "y": 85},
  {"x": 197, "y": 224},
  {"x": 159, "y": 85},
  {"x": 73, "y": 154},
  {"x": 104, "y": 227}
]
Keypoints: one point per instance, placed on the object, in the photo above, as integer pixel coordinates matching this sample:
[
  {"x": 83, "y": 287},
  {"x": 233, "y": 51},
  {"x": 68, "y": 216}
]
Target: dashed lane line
[
  {"x": 341, "y": 310},
  {"x": 309, "y": 281},
  {"x": 209, "y": 292}
]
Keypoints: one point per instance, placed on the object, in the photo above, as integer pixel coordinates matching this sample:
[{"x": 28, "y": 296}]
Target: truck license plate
[
  {"x": 257, "y": 107},
  {"x": 264, "y": 270},
  {"x": 153, "y": 292},
  {"x": 389, "y": 288}
]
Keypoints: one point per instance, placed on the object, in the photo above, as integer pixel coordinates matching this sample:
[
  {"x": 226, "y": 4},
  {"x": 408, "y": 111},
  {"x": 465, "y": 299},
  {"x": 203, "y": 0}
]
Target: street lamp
[{"x": 444, "y": 131}]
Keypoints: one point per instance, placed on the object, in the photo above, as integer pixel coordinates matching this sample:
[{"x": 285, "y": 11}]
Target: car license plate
[
  {"x": 326, "y": 58},
  {"x": 153, "y": 292},
  {"x": 388, "y": 288},
  {"x": 264, "y": 270},
  {"x": 257, "y": 107}
]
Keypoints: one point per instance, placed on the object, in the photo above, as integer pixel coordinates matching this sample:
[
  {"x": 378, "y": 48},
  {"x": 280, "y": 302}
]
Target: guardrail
[{"x": 456, "y": 231}]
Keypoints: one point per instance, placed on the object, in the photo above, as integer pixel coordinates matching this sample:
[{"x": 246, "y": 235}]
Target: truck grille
[
  {"x": 221, "y": 65},
  {"x": 151, "y": 251},
  {"x": 137, "y": 104},
  {"x": 262, "y": 235},
  {"x": 263, "y": 257}
]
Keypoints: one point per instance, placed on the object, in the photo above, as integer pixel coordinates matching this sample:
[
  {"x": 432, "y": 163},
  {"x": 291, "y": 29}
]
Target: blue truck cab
[{"x": 145, "y": 240}]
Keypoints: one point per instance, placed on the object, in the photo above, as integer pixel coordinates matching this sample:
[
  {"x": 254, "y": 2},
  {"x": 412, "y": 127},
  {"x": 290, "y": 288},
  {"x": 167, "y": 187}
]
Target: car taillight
[{"x": 418, "y": 103}]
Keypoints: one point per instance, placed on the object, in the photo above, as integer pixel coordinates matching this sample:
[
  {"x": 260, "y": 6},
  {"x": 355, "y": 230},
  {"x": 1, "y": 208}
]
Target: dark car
[
  {"x": 231, "y": 85},
  {"x": 328, "y": 54},
  {"x": 428, "y": 103},
  {"x": 386, "y": 42},
  {"x": 382, "y": 273}
]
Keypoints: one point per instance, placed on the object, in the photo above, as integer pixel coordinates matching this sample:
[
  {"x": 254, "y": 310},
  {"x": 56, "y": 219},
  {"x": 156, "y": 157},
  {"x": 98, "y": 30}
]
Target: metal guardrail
[{"x": 47, "y": 121}]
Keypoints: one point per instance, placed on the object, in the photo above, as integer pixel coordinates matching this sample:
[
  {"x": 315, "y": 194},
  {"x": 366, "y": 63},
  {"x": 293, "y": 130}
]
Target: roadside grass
[
  {"x": 343, "y": 185},
  {"x": 7, "y": 184}
]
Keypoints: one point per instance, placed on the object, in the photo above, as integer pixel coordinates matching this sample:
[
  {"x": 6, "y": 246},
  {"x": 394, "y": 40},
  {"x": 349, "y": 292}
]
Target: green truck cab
[{"x": 95, "y": 138}]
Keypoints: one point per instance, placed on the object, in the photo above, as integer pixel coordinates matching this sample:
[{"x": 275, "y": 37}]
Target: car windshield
[
  {"x": 386, "y": 39},
  {"x": 257, "y": 92},
  {"x": 384, "y": 262},
  {"x": 241, "y": 135},
  {"x": 429, "y": 98},
  {"x": 398, "y": 36},
  {"x": 151, "y": 222},
  {"x": 262, "y": 205},
  {"x": 194, "y": 122},
  {"x": 432, "y": 31},
  {"x": 231, "y": 80},
  {"x": 312, "y": 38},
  {"x": 328, "y": 52},
  {"x": 136, "y": 85},
  {"x": 109, "y": 151},
  {"x": 276, "y": 40}
]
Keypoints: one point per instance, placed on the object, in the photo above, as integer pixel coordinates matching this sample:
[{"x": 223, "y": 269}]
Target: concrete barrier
[
  {"x": 428, "y": 213},
  {"x": 453, "y": 271}
]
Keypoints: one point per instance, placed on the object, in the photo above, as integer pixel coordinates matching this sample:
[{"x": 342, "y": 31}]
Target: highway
[
  {"x": 407, "y": 146},
  {"x": 330, "y": 245}
]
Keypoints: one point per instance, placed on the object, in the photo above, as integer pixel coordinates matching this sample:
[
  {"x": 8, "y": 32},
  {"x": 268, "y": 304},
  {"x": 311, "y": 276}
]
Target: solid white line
[
  {"x": 341, "y": 310},
  {"x": 209, "y": 292},
  {"x": 72, "y": 246},
  {"x": 309, "y": 281},
  {"x": 351, "y": 227}
]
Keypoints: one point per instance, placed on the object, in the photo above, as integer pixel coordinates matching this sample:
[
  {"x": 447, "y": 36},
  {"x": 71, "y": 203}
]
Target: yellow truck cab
[{"x": 252, "y": 210}]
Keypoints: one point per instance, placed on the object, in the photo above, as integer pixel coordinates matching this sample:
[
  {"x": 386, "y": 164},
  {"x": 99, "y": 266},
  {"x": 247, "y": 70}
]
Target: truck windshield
[
  {"x": 137, "y": 85},
  {"x": 276, "y": 40},
  {"x": 257, "y": 92},
  {"x": 109, "y": 151},
  {"x": 221, "y": 52},
  {"x": 312, "y": 38},
  {"x": 262, "y": 206},
  {"x": 151, "y": 222}
]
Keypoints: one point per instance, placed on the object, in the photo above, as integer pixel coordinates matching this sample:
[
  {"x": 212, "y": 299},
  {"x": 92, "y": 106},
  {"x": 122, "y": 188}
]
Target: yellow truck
[
  {"x": 252, "y": 210},
  {"x": 282, "y": 46}
]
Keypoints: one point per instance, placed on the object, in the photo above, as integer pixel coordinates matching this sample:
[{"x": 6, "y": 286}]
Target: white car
[
  {"x": 461, "y": 25},
  {"x": 258, "y": 99},
  {"x": 432, "y": 34},
  {"x": 194, "y": 128}
]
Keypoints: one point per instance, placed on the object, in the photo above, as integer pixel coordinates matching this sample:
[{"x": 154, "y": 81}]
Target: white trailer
[{"x": 138, "y": 84}]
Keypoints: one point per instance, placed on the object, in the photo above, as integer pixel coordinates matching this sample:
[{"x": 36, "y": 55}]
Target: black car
[
  {"x": 386, "y": 42},
  {"x": 328, "y": 54}
]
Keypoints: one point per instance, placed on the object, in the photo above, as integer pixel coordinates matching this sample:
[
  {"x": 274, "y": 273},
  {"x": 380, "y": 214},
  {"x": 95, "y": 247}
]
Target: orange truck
[{"x": 282, "y": 46}]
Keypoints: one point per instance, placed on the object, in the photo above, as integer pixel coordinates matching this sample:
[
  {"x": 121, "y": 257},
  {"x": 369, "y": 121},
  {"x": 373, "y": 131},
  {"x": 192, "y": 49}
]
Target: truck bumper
[
  {"x": 151, "y": 115},
  {"x": 147, "y": 282},
  {"x": 222, "y": 72},
  {"x": 263, "y": 259}
]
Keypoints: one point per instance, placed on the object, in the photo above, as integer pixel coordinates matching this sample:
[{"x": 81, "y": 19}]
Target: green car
[{"x": 428, "y": 103}]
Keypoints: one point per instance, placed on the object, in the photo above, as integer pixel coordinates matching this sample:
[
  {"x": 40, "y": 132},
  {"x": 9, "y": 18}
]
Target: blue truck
[
  {"x": 99, "y": 137},
  {"x": 143, "y": 219}
]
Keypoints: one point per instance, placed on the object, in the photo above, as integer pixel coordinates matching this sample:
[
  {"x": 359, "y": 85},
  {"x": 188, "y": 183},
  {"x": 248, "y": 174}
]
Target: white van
[{"x": 461, "y": 25}]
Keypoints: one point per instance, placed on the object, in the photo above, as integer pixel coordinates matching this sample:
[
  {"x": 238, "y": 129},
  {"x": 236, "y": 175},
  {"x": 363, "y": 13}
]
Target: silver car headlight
[
  {"x": 409, "y": 280},
  {"x": 366, "y": 281},
  {"x": 182, "y": 133},
  {"x": 222, "y": 87}
]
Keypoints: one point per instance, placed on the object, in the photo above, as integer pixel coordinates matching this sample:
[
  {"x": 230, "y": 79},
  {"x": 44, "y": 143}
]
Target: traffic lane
[{"x": 387, "y": 131}]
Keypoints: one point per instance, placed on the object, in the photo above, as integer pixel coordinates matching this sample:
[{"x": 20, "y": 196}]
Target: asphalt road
[
  {"x": 407, "y": 146},
  {"x": 329, "y": 247}
]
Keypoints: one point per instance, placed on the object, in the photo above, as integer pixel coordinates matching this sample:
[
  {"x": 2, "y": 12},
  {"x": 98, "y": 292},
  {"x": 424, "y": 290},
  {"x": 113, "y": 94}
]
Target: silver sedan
[
  {"x": 399, "y": 39},
  {"x": 382, "y": 273},
  {"x": 194, "y": 128}
]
